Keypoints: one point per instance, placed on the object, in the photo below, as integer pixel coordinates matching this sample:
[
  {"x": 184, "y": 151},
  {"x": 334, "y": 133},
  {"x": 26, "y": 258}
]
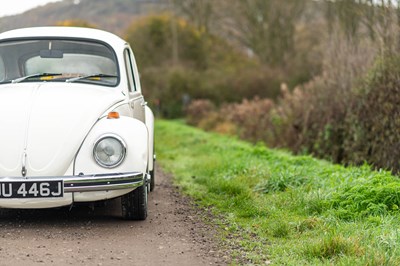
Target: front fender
[{"x": 132, "y": 131}]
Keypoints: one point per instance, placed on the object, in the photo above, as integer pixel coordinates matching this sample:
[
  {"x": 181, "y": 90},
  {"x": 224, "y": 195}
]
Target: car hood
[{"x": 43, "y": 125}]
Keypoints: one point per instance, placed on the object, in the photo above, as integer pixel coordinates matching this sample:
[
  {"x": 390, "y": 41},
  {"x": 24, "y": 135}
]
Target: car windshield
[{"x": 59, "y": 61}]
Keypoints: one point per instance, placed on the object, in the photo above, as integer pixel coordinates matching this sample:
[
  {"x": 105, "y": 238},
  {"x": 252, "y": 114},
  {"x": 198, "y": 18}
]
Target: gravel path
[{"x": 173, "y": 234}]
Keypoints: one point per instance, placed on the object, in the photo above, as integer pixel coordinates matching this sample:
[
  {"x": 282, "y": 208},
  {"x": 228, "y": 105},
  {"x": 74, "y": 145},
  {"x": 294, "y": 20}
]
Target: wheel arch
[{"x": 132, "y": 131}]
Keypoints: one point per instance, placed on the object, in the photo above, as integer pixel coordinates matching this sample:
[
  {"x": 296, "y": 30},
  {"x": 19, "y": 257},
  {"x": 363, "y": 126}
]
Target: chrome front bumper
[
  {"x": 88, "y": 183},
  {"x": 103, "y": 182},
  {"x": 83, "y": 188}
]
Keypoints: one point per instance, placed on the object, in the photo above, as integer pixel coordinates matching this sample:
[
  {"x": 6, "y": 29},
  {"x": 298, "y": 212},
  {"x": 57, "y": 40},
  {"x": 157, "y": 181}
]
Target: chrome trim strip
[{"x": 87, "y": 183}]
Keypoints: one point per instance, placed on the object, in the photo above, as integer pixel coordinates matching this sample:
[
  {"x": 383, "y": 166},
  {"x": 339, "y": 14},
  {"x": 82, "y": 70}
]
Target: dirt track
[{"x": 173, "y": 234}]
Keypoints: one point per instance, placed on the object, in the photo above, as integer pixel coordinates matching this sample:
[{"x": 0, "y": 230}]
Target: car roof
[{"x": 68, "y": 32}]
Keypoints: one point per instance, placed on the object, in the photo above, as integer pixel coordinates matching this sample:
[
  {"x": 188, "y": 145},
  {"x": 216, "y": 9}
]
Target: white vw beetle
[{"x": 74, "y": 126}]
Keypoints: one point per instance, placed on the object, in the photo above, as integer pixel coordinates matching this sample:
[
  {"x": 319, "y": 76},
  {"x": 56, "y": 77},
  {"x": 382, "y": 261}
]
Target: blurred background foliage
[
  {"x": 339, "y": 63},
  {"x": 180, "y": 62},
  {"x": 315, "y": 77}
]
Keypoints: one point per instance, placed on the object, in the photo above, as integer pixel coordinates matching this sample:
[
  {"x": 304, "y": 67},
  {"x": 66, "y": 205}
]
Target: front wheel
[
  {"x": 134, "y": 204},
  {"x": 153, "y": 176}
]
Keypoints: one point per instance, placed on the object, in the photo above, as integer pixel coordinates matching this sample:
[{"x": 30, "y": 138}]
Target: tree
[
  {"x": 198, "y": 12},
  {"x": 379, "y": 19},
  {"x": 265, "y": 27},
  {"x": 153, "y": 37}
]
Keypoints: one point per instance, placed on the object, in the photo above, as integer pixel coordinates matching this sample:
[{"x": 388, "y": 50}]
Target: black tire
[
  {"x": 153, "y": 176},
  {"x": 134, "y": 204}
]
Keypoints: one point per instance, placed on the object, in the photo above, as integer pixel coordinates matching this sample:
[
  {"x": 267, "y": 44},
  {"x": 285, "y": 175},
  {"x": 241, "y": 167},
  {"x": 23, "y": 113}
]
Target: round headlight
[{"x": 109, "y": 151}]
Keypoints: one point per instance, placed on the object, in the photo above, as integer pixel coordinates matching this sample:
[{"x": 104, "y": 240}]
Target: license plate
[{"x": 32, "y": 189}]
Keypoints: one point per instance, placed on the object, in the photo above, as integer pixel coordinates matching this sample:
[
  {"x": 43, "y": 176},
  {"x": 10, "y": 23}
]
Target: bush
[
  {"x": 251, "y": 118},
  {"x": 374, "y": 123},
  {"x": 199, "y": 110},
  {"x": 312, "y": 117}
]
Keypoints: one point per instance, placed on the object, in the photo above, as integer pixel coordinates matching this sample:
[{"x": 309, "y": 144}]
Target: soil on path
[{"x": 173, "y": 234}]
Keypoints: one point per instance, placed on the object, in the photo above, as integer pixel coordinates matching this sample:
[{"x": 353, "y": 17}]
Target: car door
[{"x": 137, "y": 103}]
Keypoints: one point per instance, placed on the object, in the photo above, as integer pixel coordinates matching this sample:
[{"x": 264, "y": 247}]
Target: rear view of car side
[{"x": 75, "y": 125}]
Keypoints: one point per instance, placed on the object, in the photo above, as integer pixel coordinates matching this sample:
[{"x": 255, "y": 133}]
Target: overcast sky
[{"x": 13, "y": 7}]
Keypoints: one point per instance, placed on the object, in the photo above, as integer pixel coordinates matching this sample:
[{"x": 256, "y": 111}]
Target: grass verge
[{"x": 285, "y": 209}]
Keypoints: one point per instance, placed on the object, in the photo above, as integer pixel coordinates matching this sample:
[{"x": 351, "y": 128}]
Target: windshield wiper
[
  {"x": 91, "y": 76},
  {"x": 37, "y": 75}
]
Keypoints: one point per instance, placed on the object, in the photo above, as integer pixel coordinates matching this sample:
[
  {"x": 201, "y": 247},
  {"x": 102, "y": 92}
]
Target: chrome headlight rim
[{"x": 123, "y": 145}]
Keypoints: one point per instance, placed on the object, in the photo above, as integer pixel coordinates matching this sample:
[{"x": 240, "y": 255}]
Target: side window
[{"x": 129, "y": 71}]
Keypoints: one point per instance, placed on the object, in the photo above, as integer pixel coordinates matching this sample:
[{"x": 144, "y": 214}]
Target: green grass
[{"x": 290, "y": 210}]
